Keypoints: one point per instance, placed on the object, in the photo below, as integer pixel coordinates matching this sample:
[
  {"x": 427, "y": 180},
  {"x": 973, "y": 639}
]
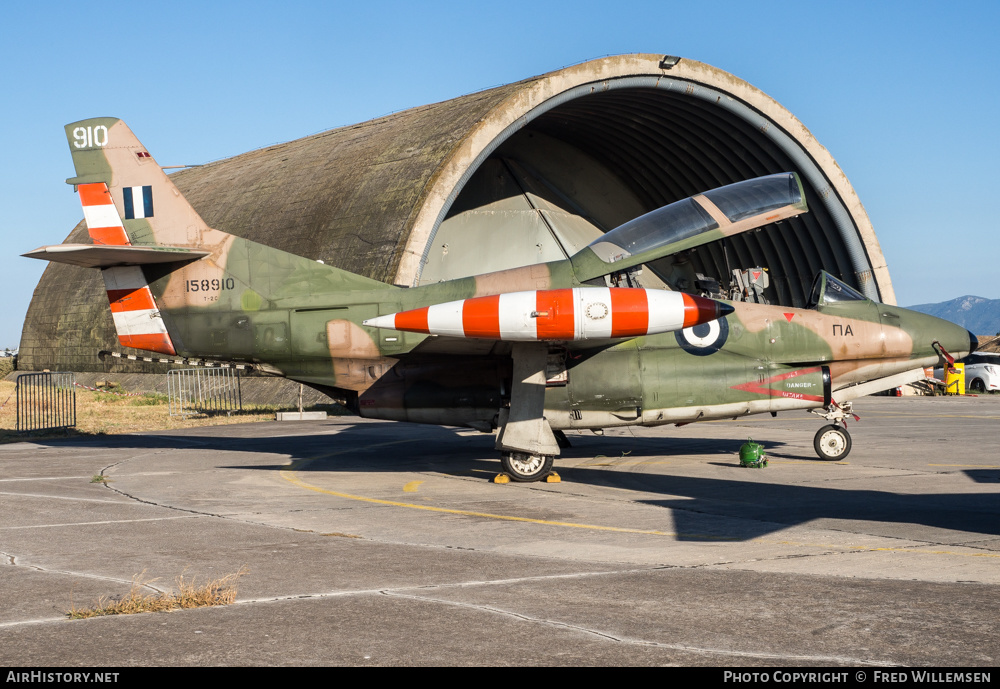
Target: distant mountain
[{"x": 981, "y": 316}]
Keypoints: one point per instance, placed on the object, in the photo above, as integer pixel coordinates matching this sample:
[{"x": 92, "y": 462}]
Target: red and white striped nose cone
[{"x": 580, "y": 313}]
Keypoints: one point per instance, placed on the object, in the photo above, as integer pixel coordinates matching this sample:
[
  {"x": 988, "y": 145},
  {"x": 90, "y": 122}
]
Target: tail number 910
[
  {"x": 213, "y": 285},
  {"x": 88, "y": 137}
]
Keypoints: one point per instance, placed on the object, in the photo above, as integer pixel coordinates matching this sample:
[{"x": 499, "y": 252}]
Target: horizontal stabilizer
[{"x": 105, "y": 256}]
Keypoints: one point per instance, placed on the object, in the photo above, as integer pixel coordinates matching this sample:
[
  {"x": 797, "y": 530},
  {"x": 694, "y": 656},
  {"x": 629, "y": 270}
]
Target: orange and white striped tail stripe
[
  {"x": 580, "y": 313},
  {"x": 103, "y": 221},
  {"x": 137, "y": 319}
]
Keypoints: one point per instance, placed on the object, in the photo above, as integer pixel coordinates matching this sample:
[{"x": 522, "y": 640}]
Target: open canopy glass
[{"x": 698, "y": 220}]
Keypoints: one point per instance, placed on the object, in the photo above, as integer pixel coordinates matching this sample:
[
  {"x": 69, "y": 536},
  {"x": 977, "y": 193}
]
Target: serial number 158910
[{"x": 213, "y": 285}]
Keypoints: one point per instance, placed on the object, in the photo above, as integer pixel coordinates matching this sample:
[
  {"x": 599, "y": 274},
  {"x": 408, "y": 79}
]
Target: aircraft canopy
[
  {"x": 700, "y": 219},
  {"x": 829, "y": 290}
]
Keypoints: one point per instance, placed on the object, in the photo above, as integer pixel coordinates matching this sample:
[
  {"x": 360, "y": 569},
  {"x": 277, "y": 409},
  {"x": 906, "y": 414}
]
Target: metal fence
[
  {"x": 203, "y": 390},
  {"x": 45, "y": 401}
]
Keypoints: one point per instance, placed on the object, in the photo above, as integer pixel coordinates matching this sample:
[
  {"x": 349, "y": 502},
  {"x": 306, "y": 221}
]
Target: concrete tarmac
[{"x": 377, "y": 543}]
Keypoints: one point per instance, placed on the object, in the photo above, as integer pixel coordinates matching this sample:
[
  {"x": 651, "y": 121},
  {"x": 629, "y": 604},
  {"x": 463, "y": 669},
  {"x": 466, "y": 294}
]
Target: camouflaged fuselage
[
  {"x": 228, "y": 298},
  {"x": 759, "y": 358}
]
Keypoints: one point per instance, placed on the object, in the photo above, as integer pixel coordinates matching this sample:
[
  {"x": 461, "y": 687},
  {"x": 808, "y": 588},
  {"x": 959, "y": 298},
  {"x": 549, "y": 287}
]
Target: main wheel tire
[
  {"x": 525, "y": 467},
  {"x": 977, "y": 385},
  {"x": 832, "y": 442}
]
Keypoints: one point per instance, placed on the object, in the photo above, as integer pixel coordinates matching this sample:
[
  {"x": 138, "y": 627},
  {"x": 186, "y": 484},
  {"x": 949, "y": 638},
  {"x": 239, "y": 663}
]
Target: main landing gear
[
  {"x": 833, "y": 442},
  {"x": 525, "y": 467},
  {"x": 526, "y": 442}
]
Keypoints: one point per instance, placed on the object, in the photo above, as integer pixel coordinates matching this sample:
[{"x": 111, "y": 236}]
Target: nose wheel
[{"x": 832, "y": 442}]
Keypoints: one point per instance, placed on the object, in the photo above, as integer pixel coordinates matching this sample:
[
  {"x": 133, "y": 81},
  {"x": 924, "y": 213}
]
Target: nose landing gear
[{"x": 833, "y": 442}]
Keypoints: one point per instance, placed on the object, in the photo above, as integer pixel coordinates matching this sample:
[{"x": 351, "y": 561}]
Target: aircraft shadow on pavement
[
  {"x": 983, "y": 475},
  {"x": 750, "y": 508},
  {"x": 763, "y": 507}
]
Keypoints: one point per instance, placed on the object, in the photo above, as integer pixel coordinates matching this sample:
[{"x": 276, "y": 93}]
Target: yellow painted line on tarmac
[
  {"x": 290, "y": 476},
  {"x": 412, "y": 486}
]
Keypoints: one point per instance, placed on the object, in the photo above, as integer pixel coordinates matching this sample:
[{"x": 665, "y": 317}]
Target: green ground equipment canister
[{"x": 752, "y": 455}]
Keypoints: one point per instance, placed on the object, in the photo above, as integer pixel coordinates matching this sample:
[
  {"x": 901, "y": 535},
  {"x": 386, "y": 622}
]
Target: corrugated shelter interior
[{"x": 519, "y": 174}]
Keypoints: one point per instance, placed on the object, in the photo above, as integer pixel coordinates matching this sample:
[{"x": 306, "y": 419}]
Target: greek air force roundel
[{"x": 703, "y": 339}]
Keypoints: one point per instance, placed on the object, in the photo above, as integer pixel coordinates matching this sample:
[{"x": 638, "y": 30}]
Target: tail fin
[
  {"x": 129, "y": 200},
  {"x": 107, "y": 154},
  {"x": 137, "y": 319},
  {"x": 166, "y": 272}
]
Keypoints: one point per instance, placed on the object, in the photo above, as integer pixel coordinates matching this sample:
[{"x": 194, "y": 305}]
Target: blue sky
[{"x": 903, "y": 94}]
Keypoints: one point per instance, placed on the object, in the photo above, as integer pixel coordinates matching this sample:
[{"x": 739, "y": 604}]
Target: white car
[{"x": 982, "y": 372}]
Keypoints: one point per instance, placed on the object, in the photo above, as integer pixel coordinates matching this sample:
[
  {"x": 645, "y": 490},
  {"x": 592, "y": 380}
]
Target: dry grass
[
  {"x": 102, "y": 413},
  {"x": 188, "y": 595}
]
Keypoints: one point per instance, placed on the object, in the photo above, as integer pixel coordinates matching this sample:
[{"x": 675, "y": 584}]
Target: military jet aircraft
[{"x": 529, "y": 352}]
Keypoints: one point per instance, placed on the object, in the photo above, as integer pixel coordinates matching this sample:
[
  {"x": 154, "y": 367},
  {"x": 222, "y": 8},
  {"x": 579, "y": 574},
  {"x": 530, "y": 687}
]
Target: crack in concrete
[
  {"x": 405, "y": 593},
  {"x": 40, "y": 620},
  {"x": 55, "y": 497},
  {"x": 12, "y": 560},
  {"x": 42, "y": 478},
  {"x": 608, "y": 636},
  {"x": 97, "y": 523},
  {"x": 451, "y": 585},
  {"x": 149, "y": 502},
  {"x": 916, "y": 543}
]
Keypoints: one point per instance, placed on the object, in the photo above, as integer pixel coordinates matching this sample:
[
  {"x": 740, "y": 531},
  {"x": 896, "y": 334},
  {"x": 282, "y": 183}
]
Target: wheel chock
[{"x": 551, "y": 477}]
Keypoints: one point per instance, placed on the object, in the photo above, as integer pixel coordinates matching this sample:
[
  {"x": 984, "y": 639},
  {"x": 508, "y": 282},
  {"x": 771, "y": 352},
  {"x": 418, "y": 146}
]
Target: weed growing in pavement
[{"x": 188, "y": 595}]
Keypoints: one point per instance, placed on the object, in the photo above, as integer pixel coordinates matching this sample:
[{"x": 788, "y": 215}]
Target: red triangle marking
[
  {"x": 756, "y": 274},
  {"x": 788, "y": 317}
]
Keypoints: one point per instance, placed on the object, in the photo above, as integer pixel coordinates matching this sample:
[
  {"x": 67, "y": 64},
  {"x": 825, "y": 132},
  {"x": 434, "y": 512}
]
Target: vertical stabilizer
[
  {"x": 105, "y": 151},
  {"x": 137, "y": 318},
  {"x": 220, "y": 296}
]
